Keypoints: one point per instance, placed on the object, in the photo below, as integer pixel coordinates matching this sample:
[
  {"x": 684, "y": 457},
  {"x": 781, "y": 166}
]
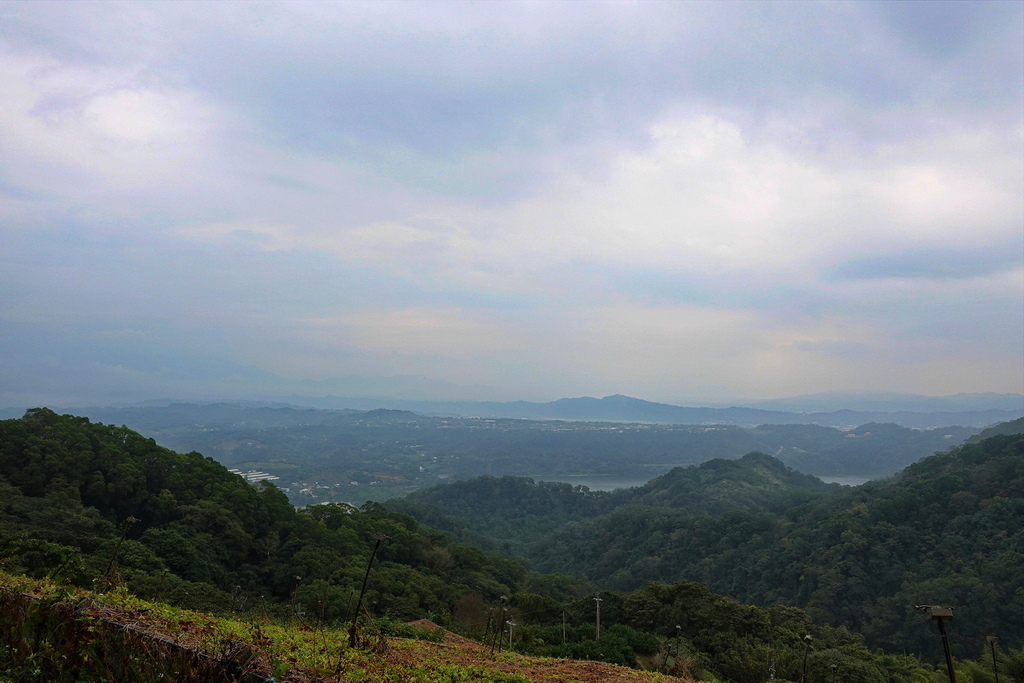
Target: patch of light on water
[{"x": 595, "y": 482}]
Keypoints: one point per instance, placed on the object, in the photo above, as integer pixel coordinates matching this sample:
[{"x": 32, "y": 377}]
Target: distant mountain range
[
  {"x": 889, "y": 402},
  {"x": 968, "y": 410},
  {"x": 841, "y": 410}
]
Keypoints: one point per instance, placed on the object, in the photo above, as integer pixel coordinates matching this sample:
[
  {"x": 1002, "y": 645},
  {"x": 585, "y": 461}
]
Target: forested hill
[
  {"x": 512, "y": 511},
  {"x": 204, "y": 537},
  {"x": 1011, "y": 427},
  {"x": 755, "y": 481},
  {"x": 948, "y": 530},
  {"x": 102, "y": 507},
  {"x": 338, "y": 456}
]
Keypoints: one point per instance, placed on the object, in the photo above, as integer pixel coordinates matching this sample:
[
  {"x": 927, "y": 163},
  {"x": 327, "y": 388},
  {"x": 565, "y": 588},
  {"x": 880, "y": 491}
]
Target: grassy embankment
[{"x": 55, "y": 633}]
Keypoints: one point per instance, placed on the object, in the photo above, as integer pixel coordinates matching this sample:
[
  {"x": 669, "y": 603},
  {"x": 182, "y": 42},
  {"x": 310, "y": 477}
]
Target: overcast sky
[{"x": 680, "y": 201}]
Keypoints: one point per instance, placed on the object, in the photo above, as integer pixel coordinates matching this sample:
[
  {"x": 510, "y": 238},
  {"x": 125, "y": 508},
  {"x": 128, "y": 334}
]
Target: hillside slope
[
  {"x": 197, "y": 535},
  {"x": 79, "y": 636},
  {"x": 69, "y": 488},
  {"x": 948, "y": 530},
  {"x": 336, "y": 456},
  {"x": 515, "y": 511},
  {"x": 753, "y": 482}
]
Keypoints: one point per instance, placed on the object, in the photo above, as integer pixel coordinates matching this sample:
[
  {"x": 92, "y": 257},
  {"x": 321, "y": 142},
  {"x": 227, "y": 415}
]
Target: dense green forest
[
  {"x": 350, "y": 456},
  {"x": 203, "y": 536},
  {"x": 514, "y": 511},
  {"x": 1003, "y": 428},
  {"x": 948, "y": 530},
  {"x": 99, "y": 506}
]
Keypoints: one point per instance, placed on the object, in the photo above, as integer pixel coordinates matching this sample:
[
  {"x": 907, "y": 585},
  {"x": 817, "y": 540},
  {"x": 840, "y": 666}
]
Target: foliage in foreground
[
  {"x": 55, "y": 634},
  {"x": 74, "y": 495}
]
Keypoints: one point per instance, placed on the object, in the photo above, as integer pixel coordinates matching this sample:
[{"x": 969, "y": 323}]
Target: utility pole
[
  {"x": 487, "y": 628},
  {"x": 511, "y": 623},
  {"x": 940, "y": 615},
  {"x": 563, "y": 629},
  {"x": 992, "y": 644},
  {"x": 501, "y": 622},
  {"x": 807, "y": 649},
  {"x": 597, "y": 600}
]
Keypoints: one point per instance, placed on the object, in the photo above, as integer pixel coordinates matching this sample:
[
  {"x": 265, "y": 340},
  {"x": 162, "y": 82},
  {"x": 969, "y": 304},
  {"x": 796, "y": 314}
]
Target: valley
[
  {"x": 714, "y": 572},
  {"x": 354, "y": 456}
]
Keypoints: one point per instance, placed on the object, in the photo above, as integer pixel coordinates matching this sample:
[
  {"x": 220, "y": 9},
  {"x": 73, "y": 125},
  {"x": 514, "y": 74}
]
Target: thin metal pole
[
  {"x": 352, "y": 638},
  {"x": 501, "y": 623},
  {"x": 598, "y": 630},
  {"x": 494, "y": 636},
  {"x": 502, "y": 626},
  {"x": 992, "y": 644},
  {"x": 946, "y": 650},
  {"x": 807, "y": 649}
]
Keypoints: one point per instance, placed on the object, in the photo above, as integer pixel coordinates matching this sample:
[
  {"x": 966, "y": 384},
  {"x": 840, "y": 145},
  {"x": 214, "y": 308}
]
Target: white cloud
[
  {"x": 705, "y": 200},
  {"x": 100, "y": 127},
  {"x": 698, "y": 196},
  {"x": 642, "y": 195}
]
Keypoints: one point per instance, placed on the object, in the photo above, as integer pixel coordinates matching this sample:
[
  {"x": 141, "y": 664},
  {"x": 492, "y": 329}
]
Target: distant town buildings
[{"x": 253, "y": 476}]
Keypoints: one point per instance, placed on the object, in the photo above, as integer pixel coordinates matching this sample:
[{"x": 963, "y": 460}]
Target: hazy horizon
[
  {"x": 683, "y": 202},
  {"x": 825, "y": 402}
]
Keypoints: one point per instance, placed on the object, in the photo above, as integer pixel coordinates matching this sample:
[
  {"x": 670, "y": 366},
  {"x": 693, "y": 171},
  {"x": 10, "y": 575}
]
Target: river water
[
  {"x": 610, "y": 482},
  {"x": 597, "y": 482},
  {"x": 847, "y": 481}
]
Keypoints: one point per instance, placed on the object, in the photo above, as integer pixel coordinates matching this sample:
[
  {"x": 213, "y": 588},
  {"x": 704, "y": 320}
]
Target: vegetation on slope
[
  {"x": 1001, "y": 429},
  {"x": 68, "y": 488},
  {"x": 100, "y": 506},
  {"x": 58, "y": 635},
  {"x": 949, "y": 530},
  {"x": 351, "y": 456},
  {"x": 517, "y": 511}
]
